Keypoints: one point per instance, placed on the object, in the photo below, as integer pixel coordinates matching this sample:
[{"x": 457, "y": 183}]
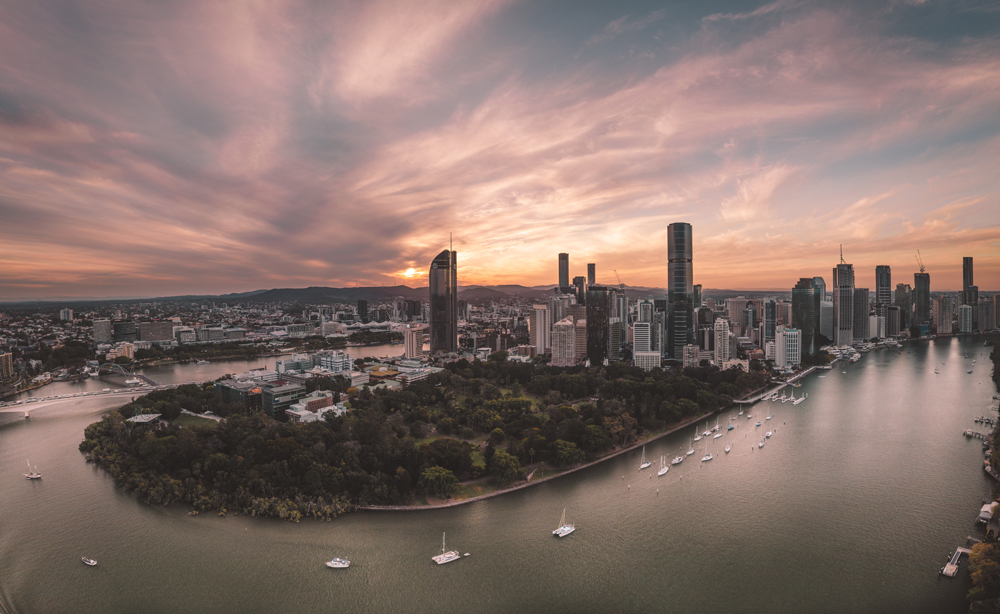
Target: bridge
[{"x": 111, "y": 367}]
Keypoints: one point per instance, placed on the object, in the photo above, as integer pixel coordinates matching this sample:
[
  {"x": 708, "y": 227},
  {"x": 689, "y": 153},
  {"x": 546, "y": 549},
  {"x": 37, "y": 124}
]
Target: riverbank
[{"x": 527, "y": 483}]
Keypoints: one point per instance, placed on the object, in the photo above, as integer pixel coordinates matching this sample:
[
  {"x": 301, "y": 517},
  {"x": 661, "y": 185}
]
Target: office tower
[
  {"x": 943, "y": 308},
  {"x": 721, "y": 329},
  {"x": 540, "y": 329},
  {"x": 580, "y": 285},
  {"x": 6, "y": 366},
  {"x": 559, "y": 304},
  {"x": 967, "y": 280},
  {"x": 162, "y": 330},
  {"x": 904, "y": 300},
  {"x": 820, "y": 286},
  {"x": 736, "y": 312},
  {"x": 826, "y": 321},
  {"x": 65, "y": 314},
  {"x": 644, "y": 309},
  {"x": 986, "y": 315},
  {"x": 787, "y": 347},
  {"x": 748, "y": 321},
  {"x": 893, "y": 316},
  {"x": 618, "y": 332},
  {"x": 591, "y": 274},
  {"x": 876, "y": 326},
  {"x": 862, "y": 327},
  {"x": 883, "y": 285},
  {"x": 696, "y": 299},
  {"x": 646, "y": 360},
  {"x": 413, "y": 340},
  {"x": 965, "y": 319},
  {"x": 680, "y": 315},
  {"x": 102, "y": 331},
  {"x": 363, "y": 311},
  {"x": 443, "y": 281},
  {"x": 598, "y": 321},
  {"x": 921, "y": 298},
  {"x": 642, "y": 337},
  {"x": 581, "y": 338},
  {"x": 805, "y": 314},
  {"x": 564, "y": 343},
  {"x": 770, "y": 320},
  {"x": 843, "y": 304},
  {"x": 563, "y": 271}
]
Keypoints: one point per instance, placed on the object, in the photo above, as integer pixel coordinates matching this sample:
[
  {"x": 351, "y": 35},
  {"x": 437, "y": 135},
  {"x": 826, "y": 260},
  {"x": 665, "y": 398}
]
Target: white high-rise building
[
  {"x": 642, "y": 336},
  {"x": 413, "y": 340},
  {"x": 646, "y": 360},
  {"x": 876, "y": 326},
  {"x": 691, "y": 355},
  {"x": 787, "y": 347},
  {"x": 645, "y": 310},
  {"x": 721, "y": 329},
  {"x": 965, "y": 319},
  {"x": 564, "y": 343},
  {"x": 540, "y": 329},
  {"x": 943, "y": 306}
]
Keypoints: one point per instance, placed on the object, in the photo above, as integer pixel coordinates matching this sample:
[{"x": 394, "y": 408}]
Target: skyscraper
[
  {"x": 770, "y": 319},
  {"x": 921, "y": 298},
  {"x": 580, "y": 286},
  {"x": 820, "y": 286},
  {"x": 591, "y": 274},
  {"x": 413, "y": 339},
  {"x": 966, "y": 279},
  {"x": 443, "y": 281},
  {"x": 805, "y": 314},
  {"x": 680, "y": 318},
  {"x": 696, "y": 298},
  {"x": 363, "y": 310},
  {"x": 904, "y": 300},
  {"x": 563, "y": 271},
  {"x": 102, "y": 331},
  {"x": 843, "y": 304},
  {"x": 862, "y": 325},
  {"x": 598, "y": 322},
  {"x": 540, "y": 329},
  {"x": 943, "y": 308},
  {"x": 721, "y": 330},
  {"x": 883, "y": 285}
]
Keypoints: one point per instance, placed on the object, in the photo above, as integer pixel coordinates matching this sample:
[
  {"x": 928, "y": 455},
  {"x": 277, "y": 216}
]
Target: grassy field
[
  {"x": 194, "y": 421},
  {"x": 474, "y": 490}
]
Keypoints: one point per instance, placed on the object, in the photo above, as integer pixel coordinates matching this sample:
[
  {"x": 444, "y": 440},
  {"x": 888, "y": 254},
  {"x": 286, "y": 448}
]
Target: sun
[{"x": 410, "y": 272}]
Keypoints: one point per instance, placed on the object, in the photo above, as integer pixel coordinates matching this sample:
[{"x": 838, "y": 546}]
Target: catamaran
[
  {"x": 644, "y": 463},
  {"x": 564, "y": 527},
  {"x": 663, "y": 467},
  {"x": 338, "y": 563},
  {"x": 32, "y": 475},
  {"x": 446, "y": 555}
]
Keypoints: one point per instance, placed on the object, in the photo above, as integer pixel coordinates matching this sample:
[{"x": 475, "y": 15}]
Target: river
[{"x": 852, "y": 506}]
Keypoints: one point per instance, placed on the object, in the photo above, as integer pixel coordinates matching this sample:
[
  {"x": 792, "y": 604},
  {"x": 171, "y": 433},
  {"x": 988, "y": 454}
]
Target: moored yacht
[
  {"x": 663, "y": 467},
  {"x": 338, "y": 563},
  {"x": 87, "y": 561},
  {"x": 564, "y": 527},
  {"x": 32, "y": 474},
  {"x": 677, "y": 460},
  {"x": 446, "y": 556},
  {"x": 643, "y": 463}
]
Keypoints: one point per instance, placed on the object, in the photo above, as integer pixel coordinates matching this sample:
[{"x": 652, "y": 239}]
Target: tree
[
  {"x": 566, "y": 453},
  {"x": 505, "y": 468},
  {"x": 497, "y": 436},
  {"x": 439, "y": 482},
  {"x": 596, "y": 439}
]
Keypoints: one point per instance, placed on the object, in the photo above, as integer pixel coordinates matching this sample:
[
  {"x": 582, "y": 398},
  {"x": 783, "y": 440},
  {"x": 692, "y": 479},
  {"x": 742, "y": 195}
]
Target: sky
[{"x": 165, "y": 148}]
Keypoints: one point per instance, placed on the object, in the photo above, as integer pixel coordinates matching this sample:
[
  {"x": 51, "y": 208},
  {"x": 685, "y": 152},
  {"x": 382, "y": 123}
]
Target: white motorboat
[
  {"x": 677, "y": 460},
  {"x": 758, "y": 423},
  {"x": 32, "y": 474},
  {"x": 761, "y": 444},
  {"x": 338, "y": 563},
  {"x": 768, "y": 434},
  {"x": 205, "y": 362},
  {"x": 663, "y": 467},
  {"x": 643, "y": 463},
  {"x": 87, "y": 561},
  {"x": 564, "y": 527},
  {"x": 728, "y": 447},
  {"x": 446, "y": 555}
]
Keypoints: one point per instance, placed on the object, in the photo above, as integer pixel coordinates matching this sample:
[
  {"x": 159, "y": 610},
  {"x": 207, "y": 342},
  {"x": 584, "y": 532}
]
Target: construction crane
[
  {"x": 919, "y": 261},
  {"x": 621, "y": 285}
]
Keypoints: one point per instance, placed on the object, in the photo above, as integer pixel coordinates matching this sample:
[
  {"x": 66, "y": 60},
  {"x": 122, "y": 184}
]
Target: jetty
[{"x": 951, "y": 568}]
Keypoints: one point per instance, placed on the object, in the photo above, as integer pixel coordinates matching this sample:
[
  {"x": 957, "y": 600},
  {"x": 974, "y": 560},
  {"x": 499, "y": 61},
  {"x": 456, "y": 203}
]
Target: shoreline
[{"x": 526, "y": 484}]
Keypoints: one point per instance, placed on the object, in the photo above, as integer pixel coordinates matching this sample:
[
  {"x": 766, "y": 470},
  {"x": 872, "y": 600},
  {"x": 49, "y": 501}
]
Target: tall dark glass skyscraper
[
  {"x": 843, "y": 304},
  {"x": 680, "y": 291},
  {"x": 883, "y": 284},
  {"x": 921, "y": 298},
  {"x": 805, "y": 313},
  {"x": 904, "y": 300},
  {"x": 599, "y": 309},
  {"x": 967, "y": 280},
  {"x": 563, "y": 272},
  {"x": 591, "y": 274},
  {"x": 443, "y": 279}
]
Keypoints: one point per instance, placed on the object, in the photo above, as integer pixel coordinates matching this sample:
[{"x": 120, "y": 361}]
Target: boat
[
  {"x": 768, "y": 434},
  {"x": 133, "y": 381},
  {"x": 205, "y": 362},
  {"x": 446, "y": 555},
  {"x": 338, "y": 563},
  {"x": 677, "y": 460},
  {"x": 697, "y": 437},
  {"x": 643, "y": 463},
  {"x": 761, "y": 444},
  {"x": 717, "y": 427},
  {"x": 717, "y": 435},
  {"x": 32, "y": 475},
  {"x": 707, "y": 432},
  {"x": 758, "y": 423},
  {"x": 768, "y": 417},
  {"x": 731, "y": 427},
  {"x": 87, "y": 561},
  {"x": 564, "y": 527},
  {"x": 741, "y": 412},
  {"x": 690, "y": 449},
  {"x": 728, "y": 448},
  {"x": 707, "y": 457},
  {"x": 663, "y": 467},
  {"x": 970, "y": 370}
]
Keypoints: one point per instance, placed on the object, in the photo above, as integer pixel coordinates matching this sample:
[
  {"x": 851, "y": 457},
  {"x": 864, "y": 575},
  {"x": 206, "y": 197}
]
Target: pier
[{"x": 951, "y": 568}]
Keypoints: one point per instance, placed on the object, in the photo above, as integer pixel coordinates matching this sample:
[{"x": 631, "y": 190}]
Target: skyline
[{"x": 187, "y": 149}]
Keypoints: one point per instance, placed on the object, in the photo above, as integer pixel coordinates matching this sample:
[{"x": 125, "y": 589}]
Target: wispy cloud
[{"x": 623, "y": 25}]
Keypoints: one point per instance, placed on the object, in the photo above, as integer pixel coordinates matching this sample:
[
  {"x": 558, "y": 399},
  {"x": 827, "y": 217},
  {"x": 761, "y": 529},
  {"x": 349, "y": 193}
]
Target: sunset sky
[{"x": 162, "y": 148}]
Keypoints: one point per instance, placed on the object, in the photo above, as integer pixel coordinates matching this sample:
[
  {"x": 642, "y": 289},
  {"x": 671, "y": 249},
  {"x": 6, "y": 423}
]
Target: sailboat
[
  {"x": 663, "y": 467},
  {"x": 717, "y": 435},
  {"x": 728, "y": 447},
  {"x": 678, "y": 459},
  {"x": 707, "y": 432},
  {"x": 446, "y": 555},
  {"x": 32, "y": 475},
  {"x": 690, "y": 449},
  {"x": 697, "y": 437},
  {"x": 708, "y": 455},
  {"x": 563, "y": 529},
  {"x": 644, "y": 463}
]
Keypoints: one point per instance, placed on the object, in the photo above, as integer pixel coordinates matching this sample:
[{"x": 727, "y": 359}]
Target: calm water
[{"x": 852, "y": 506}]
